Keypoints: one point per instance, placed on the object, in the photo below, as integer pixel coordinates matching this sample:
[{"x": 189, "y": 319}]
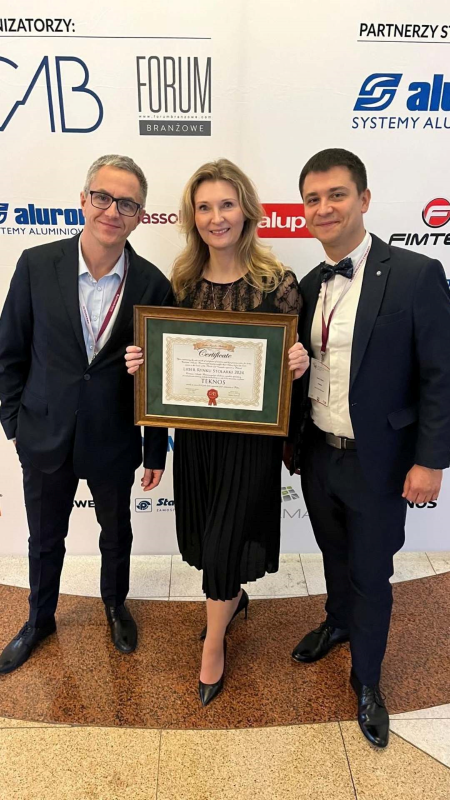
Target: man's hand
[
  {"x": 133, "y": 359},
  {"x": 151, "y": 478},
  {"x": 422, "y": 484},
  {"x": 298, "y": 360},
  {"x": 288, "y": 453}
]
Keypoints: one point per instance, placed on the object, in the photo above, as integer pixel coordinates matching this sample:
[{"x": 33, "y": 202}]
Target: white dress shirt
[
  {"x": 97, "y": 296},
  {"x": 335, "y": 418}
]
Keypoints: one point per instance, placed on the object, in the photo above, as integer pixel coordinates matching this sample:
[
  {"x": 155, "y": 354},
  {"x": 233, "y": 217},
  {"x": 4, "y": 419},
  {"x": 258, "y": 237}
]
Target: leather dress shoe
[
  {"x": 317, "y": 643},
  {"x": 123, "y": 628},
  {"x": 20, "y": 648},
  {"x": 373, "y": 717}
]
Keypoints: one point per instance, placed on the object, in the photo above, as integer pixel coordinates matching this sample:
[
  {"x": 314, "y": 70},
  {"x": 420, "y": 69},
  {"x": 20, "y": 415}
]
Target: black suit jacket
[
  {"x": 52, "y": 399},
  {"x": 399, "y": 394}
]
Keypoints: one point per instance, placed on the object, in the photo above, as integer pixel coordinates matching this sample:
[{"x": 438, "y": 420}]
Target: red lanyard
[
  {"x": 109, "y": 313},
  {"x": 326, "y": 326}
]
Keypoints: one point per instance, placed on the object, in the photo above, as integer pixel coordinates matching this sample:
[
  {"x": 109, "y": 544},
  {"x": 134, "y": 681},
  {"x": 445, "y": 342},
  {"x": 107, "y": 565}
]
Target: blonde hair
[{"x": 264, "y": 270}]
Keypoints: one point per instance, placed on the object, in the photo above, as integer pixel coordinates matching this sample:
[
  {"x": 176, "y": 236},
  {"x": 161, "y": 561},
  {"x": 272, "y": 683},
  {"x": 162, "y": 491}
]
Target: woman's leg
[{"x": 218, "y": 614}]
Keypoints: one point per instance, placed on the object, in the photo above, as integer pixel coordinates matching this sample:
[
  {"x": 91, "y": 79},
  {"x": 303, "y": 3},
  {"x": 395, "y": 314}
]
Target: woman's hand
[
  {"x": 133, "y": 359},
  {"x": 298, "y": 360}
]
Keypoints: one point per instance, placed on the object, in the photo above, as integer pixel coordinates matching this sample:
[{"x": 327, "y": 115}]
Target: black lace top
[{"x": 241, "y": 296}]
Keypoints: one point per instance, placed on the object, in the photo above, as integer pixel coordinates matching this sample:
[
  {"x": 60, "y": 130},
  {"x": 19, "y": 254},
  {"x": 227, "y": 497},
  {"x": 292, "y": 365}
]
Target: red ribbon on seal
[{"x": 213, "y": 394}]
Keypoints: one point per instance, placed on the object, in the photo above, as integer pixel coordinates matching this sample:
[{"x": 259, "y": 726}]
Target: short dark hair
[{"x": 336, "y": 157}]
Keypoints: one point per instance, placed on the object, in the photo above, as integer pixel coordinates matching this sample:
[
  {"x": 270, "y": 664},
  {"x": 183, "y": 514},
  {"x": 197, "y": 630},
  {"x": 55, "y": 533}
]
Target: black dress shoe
[
  {"x": 373, "y": 717},
  {"x": 208, "y": 691},
  {"x": 20, "y": 648},
  {"x": 123, "y": 628},
  {"x": 319, "y": 642},
  {"x": 241, "y": 606}
]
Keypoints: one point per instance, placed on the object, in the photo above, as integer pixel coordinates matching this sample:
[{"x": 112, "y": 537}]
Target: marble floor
[{"x": 80, "y": 721}]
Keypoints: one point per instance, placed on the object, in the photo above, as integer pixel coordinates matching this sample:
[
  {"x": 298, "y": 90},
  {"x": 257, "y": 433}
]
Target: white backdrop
[{"x": 176, "y": 84}]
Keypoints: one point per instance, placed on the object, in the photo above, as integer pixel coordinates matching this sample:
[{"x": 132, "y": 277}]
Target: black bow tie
[{"x": 344, "y": 268}]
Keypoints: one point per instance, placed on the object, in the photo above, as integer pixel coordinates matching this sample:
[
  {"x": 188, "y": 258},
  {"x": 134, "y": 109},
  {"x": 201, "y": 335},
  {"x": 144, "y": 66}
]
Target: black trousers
[
  {"x": 358, "y": 532},
  {"x": 49, "y": 501}
]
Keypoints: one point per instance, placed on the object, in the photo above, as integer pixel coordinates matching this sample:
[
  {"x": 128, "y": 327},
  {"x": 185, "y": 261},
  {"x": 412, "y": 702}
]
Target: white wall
[{"x": 285, "y": 79}]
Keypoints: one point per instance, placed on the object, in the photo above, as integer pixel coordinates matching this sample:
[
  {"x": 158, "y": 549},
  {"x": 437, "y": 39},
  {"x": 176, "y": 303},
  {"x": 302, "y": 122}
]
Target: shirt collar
[
  {"x": 357, "y": 253},
  {"x": 118, "y": 269}
]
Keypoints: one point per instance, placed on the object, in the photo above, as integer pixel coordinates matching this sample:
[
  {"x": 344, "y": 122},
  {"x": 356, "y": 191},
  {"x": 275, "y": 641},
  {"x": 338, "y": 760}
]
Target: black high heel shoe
[
  {"x": 208, "y": 691},
  {"x": 241, "y": 606}
]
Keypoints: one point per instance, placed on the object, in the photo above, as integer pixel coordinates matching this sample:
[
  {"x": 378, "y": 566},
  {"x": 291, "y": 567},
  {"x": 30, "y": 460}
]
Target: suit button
[{"x": 87, "y": 377}]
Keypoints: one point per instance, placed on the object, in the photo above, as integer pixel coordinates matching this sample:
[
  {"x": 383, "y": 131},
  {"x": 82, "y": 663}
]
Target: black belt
[{"x": 340, "y": 442}]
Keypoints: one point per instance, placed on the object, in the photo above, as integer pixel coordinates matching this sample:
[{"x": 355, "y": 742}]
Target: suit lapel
[
  {"x": 373, "y": 287},
  {"x": 311, "y": 303},
  {"x": 67, "y": 274}
]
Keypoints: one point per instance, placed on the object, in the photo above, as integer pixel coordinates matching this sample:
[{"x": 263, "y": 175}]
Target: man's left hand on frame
[
  {"x": 151, "y": 478},
  {"x": 298, "y": 360},
  {"x": 422, "y": 484}
]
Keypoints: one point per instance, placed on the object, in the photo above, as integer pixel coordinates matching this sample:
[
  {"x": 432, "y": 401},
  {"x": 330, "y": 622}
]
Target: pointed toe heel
[{"x": 208, "y": 691}]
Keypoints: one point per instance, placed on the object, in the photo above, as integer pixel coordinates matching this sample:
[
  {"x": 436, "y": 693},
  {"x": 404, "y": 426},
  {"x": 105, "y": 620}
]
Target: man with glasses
[{"x": 67, "y": 401}]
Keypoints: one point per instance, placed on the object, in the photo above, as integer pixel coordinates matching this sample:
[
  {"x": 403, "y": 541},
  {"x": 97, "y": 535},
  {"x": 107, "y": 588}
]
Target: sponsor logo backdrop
[{"x": 174, "y": 85}]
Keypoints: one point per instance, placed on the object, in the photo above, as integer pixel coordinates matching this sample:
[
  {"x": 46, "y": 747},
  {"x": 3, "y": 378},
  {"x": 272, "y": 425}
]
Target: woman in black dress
[{"x": 227, "y": 486}]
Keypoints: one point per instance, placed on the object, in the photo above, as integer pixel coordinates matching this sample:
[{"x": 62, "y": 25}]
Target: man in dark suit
[
  {"x": 374, "y": 414},
  {"x": 67, "y": 401}
]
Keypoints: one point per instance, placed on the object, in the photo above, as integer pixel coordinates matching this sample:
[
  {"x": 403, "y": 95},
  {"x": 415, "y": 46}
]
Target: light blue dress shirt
[{"x": 97, "y": 297}]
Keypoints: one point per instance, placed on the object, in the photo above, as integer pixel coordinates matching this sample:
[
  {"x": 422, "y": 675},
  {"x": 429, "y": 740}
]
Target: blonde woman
[{"x": 227, "y": 486}]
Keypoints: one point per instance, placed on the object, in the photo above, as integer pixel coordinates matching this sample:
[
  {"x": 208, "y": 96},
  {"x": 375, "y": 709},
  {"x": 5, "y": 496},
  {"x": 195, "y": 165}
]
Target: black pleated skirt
[{"x": 227, "y": 490}]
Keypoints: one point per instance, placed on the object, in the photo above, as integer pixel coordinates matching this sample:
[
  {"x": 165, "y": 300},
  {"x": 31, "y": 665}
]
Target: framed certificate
[{"x": 214, "y": 370}]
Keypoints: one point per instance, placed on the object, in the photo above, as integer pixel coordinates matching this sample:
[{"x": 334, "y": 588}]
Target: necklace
[{"x": 224, "y": 297}]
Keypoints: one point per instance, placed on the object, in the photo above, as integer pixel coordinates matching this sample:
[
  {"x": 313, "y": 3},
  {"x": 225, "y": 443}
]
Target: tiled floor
[
  {"x": 153, "y": 745},
  {"x": 168, "y": 577}
]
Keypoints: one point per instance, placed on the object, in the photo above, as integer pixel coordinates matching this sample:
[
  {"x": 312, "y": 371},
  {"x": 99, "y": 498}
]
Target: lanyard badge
[{"x": 108, "y": 315}]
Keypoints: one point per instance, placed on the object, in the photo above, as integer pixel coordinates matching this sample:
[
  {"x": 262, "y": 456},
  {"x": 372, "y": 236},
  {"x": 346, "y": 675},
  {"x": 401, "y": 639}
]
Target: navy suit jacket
[
  {"x": 52, "y": 400},
  {"x": 399, "y": 394}
]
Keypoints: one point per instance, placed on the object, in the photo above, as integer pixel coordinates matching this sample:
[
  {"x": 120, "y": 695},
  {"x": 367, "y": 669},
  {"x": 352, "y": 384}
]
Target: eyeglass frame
[{"x": 115, "y": 200}]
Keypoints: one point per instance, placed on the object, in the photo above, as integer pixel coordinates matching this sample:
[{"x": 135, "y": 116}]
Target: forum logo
[{"x": 174, "y": 94}]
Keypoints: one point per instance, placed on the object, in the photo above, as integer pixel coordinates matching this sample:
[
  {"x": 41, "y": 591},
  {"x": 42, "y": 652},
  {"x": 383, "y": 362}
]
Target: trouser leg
[
  {"x": 112, "y": 508},
  {"x": 327, "y": 516},
  {"x": 49, "y": 501},
  {"x": 376, "y": 531}
]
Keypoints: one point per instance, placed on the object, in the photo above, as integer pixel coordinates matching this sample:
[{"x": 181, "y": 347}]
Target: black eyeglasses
[{"x": 124, "y": 206}]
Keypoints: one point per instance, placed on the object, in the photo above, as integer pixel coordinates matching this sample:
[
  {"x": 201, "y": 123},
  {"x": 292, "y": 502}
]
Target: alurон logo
[
  {"x": 174, "y": 95},
  {"x": 378, "y": 91},
  {"x": 57, "y": 92},
  {"x": 421, "y": 98}
]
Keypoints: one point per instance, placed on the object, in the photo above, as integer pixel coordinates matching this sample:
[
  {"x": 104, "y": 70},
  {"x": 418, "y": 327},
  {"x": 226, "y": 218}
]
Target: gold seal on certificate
[{"x": 214, "y": 370}]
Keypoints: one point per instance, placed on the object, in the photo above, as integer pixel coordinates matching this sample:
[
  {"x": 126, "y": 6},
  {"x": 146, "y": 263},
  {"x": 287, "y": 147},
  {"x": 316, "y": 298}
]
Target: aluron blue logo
[
  {"x": 422, "y": 97},
  {"x": 3, "y": 212},
  {"x": 378, "y": 91},
  {"x": 93, "y": 110}
]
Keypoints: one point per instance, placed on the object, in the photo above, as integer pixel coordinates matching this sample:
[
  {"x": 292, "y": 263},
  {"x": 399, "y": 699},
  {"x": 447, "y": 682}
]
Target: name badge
[{"x": 319, "y": 382}]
